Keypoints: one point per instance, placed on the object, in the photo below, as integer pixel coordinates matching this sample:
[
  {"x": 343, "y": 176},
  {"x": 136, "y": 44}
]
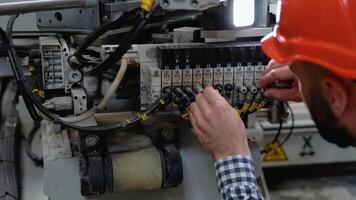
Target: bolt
[
  {"x": 75, "y": 75},
  {"x": 166, "y": 3},
  {"x": 194, "y": 3},
  {"x": 168, "y": 134},
  {"x": 91, "y": 140}
]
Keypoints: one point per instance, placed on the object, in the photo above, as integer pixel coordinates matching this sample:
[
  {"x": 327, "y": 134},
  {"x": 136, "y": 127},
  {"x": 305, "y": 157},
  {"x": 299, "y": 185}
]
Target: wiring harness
[
  {"x": 9, "y": 187},
  {"x": 32, "y": 101}
]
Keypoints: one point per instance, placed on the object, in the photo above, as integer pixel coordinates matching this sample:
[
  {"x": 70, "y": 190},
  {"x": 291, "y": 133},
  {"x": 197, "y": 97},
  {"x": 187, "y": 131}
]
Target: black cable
[
  {"x": 280, "y": 127},
  {"x": 14, "y": 60},
  {"x": 91, "y": 38},
  {"x": 280, "y": 107},
  {"x": 36, "y": 159},
  {"x": 280, "y": 130},
  {"x": 55, "y": 119},
  {"x": 125, "y": 44},
  {"x": 292, "y": 126}
]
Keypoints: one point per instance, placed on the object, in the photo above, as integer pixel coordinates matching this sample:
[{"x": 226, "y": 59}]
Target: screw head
[
  {"x": 92, "y": 140},
  {"x": 168, "y": 134}
]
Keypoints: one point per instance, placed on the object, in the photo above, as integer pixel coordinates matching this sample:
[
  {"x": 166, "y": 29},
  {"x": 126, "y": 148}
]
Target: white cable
[
  {"x": 115, "y": 84},
  {"x": 102, "y": 105}
]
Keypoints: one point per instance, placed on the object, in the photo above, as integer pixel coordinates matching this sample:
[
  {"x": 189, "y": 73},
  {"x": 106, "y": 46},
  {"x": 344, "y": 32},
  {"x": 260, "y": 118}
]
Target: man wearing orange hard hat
[{"x": 315, "y": 42}]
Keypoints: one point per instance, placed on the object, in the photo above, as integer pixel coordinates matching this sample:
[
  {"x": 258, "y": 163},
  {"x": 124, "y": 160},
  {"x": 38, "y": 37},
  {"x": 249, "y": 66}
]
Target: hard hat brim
[{"x": 340, "y": 61}]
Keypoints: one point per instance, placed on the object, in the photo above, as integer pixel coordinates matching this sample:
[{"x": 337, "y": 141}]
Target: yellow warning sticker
[{"x": 274, "y": 152}]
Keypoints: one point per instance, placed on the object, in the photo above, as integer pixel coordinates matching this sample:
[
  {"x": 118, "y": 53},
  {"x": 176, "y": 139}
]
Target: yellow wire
[
  {"x": 245, "y": 107},
  {"x": 144, "y": 117},
  {"x": 261, "y": 105},
  {"x": 147, "y": 5},
  {"x": 253, "y": 107},
  {"x": 162, "y": 101}
]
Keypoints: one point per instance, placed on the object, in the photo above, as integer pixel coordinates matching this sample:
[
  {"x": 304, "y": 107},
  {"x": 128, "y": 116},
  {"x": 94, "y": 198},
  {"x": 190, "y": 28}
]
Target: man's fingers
[
  {"x": 273, "y": 65},
  {"x": 202, "y": 103},
  {"x": 278, "y": 74},
  {"x": 211, "y": 95},
  {"x": 196, "y": 120},
  {"x": 282, "y": 94},
  {"x": 197, "y": 131},
  {"x": 197, "y": 114}
]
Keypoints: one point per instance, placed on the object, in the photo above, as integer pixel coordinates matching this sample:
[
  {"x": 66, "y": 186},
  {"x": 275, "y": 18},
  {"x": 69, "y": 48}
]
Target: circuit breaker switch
[
  {"x": 251, "y": 88},
  {"x": 220, "y": 88},
  {"x": 167, "y": 94},
  {"x": 191, "y": 94},
  {"x": 242, "y": 89},
  {"x": 198, "y": 89},
  {"x": 228, "y": 90}
]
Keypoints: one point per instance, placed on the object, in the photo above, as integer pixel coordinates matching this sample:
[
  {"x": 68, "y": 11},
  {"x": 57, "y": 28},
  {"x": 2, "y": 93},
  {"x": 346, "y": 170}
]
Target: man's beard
[{"x": 326, "y": 122}]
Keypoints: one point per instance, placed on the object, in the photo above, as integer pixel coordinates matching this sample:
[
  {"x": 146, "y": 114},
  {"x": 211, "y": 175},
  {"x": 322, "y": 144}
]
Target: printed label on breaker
[
  {"x": 166, "y": 78},
  {"x": 238, "y": 75},
  {"x": 197, "y": 76},
  {"x": 248, "y": 75},
  {"x": 187, "y": 77},
  {"x": 258, "y": 73},
  {"x": 208, "y": 76},
  {"x": 177, "y": 77},
  {"x": 228, "y": 74},
  {"x": 218, "y": 75}
]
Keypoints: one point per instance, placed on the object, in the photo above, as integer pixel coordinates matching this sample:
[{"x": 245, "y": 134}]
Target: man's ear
[{"x": 335, "y": 94}]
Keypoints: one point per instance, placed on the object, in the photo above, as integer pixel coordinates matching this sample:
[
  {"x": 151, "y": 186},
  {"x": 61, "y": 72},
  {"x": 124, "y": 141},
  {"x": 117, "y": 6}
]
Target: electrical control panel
[
  {"x": 233, "y": 69},
  {"x": 56, "y": 72}
]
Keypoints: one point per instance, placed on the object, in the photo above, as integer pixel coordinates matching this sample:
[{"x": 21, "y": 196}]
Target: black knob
[
  {"x": 220, "y": 88},
  {"x": 191, "y": 94},
  {"x": 229, "y": 87}
]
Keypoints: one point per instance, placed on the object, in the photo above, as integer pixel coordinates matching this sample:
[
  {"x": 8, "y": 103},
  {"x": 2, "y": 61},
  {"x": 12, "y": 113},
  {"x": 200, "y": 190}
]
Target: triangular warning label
[{"x": 275, "y": 152}]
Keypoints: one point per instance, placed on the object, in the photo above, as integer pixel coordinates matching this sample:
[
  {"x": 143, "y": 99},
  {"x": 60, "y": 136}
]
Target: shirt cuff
[{"x": 237, "y": 169}]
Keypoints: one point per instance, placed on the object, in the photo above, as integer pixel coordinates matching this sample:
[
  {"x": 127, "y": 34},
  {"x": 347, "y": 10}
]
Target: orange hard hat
[{"x": 318, "y": 31}]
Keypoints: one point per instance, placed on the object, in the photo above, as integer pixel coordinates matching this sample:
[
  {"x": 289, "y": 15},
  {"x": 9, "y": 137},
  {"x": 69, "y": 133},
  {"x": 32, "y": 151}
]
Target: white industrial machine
[{"x": 104, "y": 92}]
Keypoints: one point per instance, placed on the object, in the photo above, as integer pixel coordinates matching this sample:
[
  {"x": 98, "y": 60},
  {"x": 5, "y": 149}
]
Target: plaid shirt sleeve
[{"x": 236, "y": 178}]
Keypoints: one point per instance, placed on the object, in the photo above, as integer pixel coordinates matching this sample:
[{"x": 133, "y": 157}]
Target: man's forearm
[{"x": 236, "y": 178}]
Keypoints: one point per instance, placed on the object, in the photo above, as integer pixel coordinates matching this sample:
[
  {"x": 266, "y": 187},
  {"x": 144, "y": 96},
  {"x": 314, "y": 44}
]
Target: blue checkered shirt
[{"x": 236, "y": 178}]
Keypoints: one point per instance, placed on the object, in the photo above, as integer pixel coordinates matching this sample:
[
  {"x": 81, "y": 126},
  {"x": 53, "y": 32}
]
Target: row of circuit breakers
[{"x": 233, "y": 69}]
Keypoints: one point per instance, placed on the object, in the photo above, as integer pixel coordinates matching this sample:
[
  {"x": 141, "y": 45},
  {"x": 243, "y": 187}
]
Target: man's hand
[
  {"x": 218, "y": 126},
  {"x": 277, "y": 72}
]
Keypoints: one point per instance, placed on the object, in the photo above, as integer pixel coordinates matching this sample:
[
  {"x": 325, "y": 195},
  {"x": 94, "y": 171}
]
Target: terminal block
[{"x": 233, "y": 69}]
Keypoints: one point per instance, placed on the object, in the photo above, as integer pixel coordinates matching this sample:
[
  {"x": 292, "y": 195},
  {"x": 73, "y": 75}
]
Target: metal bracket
[{"x": 79, "y": 101}]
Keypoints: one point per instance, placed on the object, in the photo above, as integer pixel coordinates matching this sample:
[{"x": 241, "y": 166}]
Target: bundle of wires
[
  {"x": 111, "y": 61},
  {"x": 14, "y": 61},
  {"x": 77, "y": 60},
  {"x": 279, "y": 131},
  {"x": 9, "y": 187}
]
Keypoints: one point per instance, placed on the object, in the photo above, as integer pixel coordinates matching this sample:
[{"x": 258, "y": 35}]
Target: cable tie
[
  {"x": 144, "y": 116},
  {"x": 163, "y": 102}
]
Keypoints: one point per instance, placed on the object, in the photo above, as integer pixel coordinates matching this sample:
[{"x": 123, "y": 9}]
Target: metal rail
[{"x": 25, "y": 6}]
